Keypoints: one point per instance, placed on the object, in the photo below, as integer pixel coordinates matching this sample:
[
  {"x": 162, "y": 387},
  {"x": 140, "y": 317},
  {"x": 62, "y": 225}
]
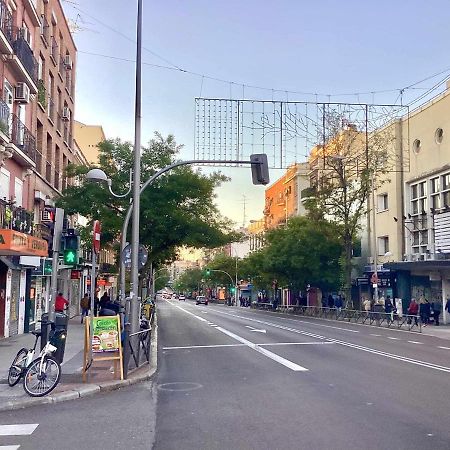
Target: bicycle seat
[{"x": 37, "y": 332}]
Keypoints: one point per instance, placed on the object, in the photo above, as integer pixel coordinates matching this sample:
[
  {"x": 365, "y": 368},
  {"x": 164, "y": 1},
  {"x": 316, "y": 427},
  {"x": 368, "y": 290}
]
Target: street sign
[
  {"x": 96, "y": 236},
  {"x": 142, "y": 256}
]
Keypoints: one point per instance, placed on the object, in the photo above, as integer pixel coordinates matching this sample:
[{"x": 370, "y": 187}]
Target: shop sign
[
  {"x": 75, "y": 274},
  {"x": 106, "y": 334},
  {"x": 14, "y": 243}
]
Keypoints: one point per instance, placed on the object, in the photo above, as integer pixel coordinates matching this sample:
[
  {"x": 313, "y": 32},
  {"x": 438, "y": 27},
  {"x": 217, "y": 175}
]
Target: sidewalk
[
  {"x": 442, "y": 331},
  {"x": 71, "y": 385}
]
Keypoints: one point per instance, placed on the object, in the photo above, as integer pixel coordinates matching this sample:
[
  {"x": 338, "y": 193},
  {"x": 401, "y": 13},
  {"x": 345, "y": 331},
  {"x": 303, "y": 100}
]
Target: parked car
[
  {"x": 182, "y": 297},
  {"x": 201, "y": 299}
]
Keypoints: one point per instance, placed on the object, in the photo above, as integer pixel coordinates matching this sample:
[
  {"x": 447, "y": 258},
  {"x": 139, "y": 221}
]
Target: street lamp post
[{"x": 229, "y": 276}]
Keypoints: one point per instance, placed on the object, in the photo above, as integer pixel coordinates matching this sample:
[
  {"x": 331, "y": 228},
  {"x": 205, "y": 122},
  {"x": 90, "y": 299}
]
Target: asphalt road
[{"x": 233, "y": 378}]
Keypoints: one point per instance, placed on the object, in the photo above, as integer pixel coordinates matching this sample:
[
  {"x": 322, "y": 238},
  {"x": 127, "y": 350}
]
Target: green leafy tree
[
  {"x": 190, "y": 280},
  {"x": 303, "y": 252},
  {"x": 178, "y": 209}
]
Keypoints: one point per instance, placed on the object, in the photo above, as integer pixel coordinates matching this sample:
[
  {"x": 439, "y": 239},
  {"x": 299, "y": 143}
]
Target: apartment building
[
  {"x": 283, "y": 197},
  {"x": 36, "y": 110},
  {"x": 412, "y": 225}
]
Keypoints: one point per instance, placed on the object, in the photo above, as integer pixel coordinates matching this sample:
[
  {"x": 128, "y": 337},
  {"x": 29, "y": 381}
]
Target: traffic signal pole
[{"x": 59, "y": 217}]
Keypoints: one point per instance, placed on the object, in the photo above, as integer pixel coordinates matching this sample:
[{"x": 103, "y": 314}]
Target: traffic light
[
  {"x": 48, "y": 268},
  {"x": 232, "y": 289},
  {"x": 260, "y": 169},
  {"x": 70, "y": 243},
  {"x": 208, "y": 272}
]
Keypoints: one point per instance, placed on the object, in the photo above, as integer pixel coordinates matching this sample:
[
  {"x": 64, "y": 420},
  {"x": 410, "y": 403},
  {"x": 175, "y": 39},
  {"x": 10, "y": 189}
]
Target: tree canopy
[{"x": 178, "y": 209}]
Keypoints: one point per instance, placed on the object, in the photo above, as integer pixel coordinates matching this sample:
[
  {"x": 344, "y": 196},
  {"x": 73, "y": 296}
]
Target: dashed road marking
[
  {"x": 22, "y": 429},
  {"x": 444, "y": 348},
  {"x": 393, "y": 338},
  {"x": 415, "y": 342}
]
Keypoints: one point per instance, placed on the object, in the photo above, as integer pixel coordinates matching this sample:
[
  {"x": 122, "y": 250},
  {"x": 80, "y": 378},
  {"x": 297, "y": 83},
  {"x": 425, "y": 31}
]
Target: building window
[
  {"x": 383, "y": 202},
  {"x": 439, "y": 135},
  {"x": 416, "y": 146},
  {"x": 4, "y": 184},
  {"x": 18, "y": 192},
  {"x": 383, "y": 245}
]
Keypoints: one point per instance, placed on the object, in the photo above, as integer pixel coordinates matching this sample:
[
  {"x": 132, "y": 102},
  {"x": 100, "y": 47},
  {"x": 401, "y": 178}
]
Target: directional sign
[{"x": 142, "y": 256}]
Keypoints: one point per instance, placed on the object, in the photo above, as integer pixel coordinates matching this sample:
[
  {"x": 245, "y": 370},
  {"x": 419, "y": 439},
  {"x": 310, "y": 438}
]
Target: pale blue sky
[{"x": 323, "y": 46}]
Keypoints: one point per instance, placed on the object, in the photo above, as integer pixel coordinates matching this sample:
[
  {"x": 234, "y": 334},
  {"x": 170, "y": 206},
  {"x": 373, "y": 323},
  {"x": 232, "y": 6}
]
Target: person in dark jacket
[
  {"x": 330, "y": 301},
  {"x": 437, "y": 307},
  {"x": 388, "y": 307}
]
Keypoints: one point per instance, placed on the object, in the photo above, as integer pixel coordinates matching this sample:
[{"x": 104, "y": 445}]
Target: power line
[{"x": 175, "y": 67}]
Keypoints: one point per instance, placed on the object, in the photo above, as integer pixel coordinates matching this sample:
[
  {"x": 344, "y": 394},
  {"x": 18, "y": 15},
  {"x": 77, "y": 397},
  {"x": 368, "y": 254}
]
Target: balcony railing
[
  {"x": 42, "y": 94},
  {"x": 6, "y": 22},
  {"x": 15, "y": 218},
  {"x": 51, "y": 109},
  {"x": 22, "y": 138},
  {"x": 4, "y": 118},
  {"x": 62, "y": 66},
  {"x": 54, "y": 53},
  {"x": 25, "y": 55},
  {"x": 45, "y": 30}
]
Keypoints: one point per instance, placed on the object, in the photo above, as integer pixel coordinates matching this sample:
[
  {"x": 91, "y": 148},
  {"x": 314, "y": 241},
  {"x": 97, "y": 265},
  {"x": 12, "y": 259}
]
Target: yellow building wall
[{"x": 88, "y": 137}]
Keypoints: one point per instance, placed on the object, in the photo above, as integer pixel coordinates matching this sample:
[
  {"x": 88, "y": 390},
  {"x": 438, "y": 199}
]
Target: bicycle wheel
[
  {"x": 17, "y": 367},
  {"x": 38, "y": 384}
]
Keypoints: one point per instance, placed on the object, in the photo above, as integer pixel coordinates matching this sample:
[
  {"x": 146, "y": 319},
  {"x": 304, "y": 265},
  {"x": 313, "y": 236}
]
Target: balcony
[
  {"x": 6, "y": 29},
  {"x": 24, "y": 63},
  {"x": 54, "y": 52},
  {"x": 30, "y": 6},
  {"x": 45, "y": 31},
  {"x": 4, "y": 121},
  {"x": 24, "y": 141},
  {"x": 42, "y": 95},
  {"x": 15, "y": 218}
]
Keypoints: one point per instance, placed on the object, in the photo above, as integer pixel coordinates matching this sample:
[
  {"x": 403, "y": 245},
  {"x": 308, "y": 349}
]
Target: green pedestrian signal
[
  {"x": 48, "y": 267},
  {"x": 232, "y": 290},
  {"x": 70, "y": 257},
  {"x": 208, "y": 272}
]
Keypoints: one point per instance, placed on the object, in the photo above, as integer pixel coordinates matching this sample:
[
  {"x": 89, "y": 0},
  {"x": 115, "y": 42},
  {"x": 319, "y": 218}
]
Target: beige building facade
[{"x": 88, "y": 137}]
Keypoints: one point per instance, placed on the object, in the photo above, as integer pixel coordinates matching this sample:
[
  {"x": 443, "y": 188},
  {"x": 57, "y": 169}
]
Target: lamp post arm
[
  {"x": 223, "y": 271},
  {"x": 123, "y": 239},
  {"x": 130, "y": 184}
]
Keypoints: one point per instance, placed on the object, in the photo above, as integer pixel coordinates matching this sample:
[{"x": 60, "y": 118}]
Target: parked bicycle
[{"x": 41, "y": 375}]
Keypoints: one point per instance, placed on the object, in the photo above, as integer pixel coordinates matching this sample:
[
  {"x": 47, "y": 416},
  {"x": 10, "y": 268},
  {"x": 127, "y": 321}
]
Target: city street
[{"x": 234, "y": 378}]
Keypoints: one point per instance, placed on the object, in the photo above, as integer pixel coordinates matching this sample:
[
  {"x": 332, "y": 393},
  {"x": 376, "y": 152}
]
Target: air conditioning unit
[
  {"x": 22, "y": 93},
  {"x": 66, "y": 113},
  {"x": 68, "y": 62},
  {"x": 39, "y": 195}
]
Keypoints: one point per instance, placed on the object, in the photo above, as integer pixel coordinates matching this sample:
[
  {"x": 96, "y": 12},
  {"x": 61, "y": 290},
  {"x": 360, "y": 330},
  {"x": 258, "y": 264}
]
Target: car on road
[
  {"x": 201, "y": 299},
  {"x": 182, "y": 297}
]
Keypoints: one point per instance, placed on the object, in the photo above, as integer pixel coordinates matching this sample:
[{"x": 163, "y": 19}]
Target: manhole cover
[{"x": 179, "y": 386}]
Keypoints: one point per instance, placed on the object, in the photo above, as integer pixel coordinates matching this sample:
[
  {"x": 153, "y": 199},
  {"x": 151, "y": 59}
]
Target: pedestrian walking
[
  {"x": 437, "y": 307},
  {"x": 85, "y": 306},
  {"x": 413, "y": 310},
  {"x": 447, "y": 305},
  {"x": 330, "y": 301},
  {"x": 388, "y": 308},
  {"x": 60, "y": 303}
]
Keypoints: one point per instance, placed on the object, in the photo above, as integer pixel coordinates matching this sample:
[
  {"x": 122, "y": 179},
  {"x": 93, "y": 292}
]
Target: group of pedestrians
[
  {"x": 333, "y": 302},
  {"x": 103, "y": 306}
]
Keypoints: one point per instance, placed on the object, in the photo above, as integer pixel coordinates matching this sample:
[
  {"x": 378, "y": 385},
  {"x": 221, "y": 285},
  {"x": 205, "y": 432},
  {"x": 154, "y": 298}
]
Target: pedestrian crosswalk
[{"x": 22, "y": 429}]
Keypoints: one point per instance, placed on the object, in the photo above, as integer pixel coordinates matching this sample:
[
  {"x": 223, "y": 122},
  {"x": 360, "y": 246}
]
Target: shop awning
[
  {"x": 418, "y": 265},
  {"x": 14, "y": 243}
]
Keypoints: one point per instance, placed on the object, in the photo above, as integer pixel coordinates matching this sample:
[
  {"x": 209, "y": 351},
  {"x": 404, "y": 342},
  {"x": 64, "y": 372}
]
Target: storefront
[
  {"x": 16, "y": 292},
  {"x": 423, "y": 279}
]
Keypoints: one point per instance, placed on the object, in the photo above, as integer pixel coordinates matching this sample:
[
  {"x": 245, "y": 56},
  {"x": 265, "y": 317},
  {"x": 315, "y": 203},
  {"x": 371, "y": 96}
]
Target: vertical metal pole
[
  {"x": 91, "y": 313},
  {"x": 57, "y": 231},
  {"x": 134, "y": 310},
  {"x": 374, "y": 240},
  {"x": 236, "y": 286}
]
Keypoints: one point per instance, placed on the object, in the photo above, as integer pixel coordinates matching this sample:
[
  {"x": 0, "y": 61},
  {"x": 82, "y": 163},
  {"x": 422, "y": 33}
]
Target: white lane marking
[
  {"x": 296, "y": 343},
  {"x": 256, "y": 329},
  {"x": 349, "y": 344},
  {"x": 203, "y": 346},
  {"x": 263, "y": 351},
  {"x": 376, "y": 335},
  {"x": 393, "y": 338},
  {"x": 415, "y": 342},
  {"x": 9, "y": 447},
  {"x": 22, "y": 429},
  {"x": 444, "y": 348},
  {"x": 320, "y": 324},
  {"x": 283, "y": 361},
  {"x": 204, "y": 312}
]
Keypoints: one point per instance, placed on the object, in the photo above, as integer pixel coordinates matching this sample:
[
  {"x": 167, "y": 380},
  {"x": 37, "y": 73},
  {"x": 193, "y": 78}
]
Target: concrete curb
[{"x": 88, "y": 390}]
